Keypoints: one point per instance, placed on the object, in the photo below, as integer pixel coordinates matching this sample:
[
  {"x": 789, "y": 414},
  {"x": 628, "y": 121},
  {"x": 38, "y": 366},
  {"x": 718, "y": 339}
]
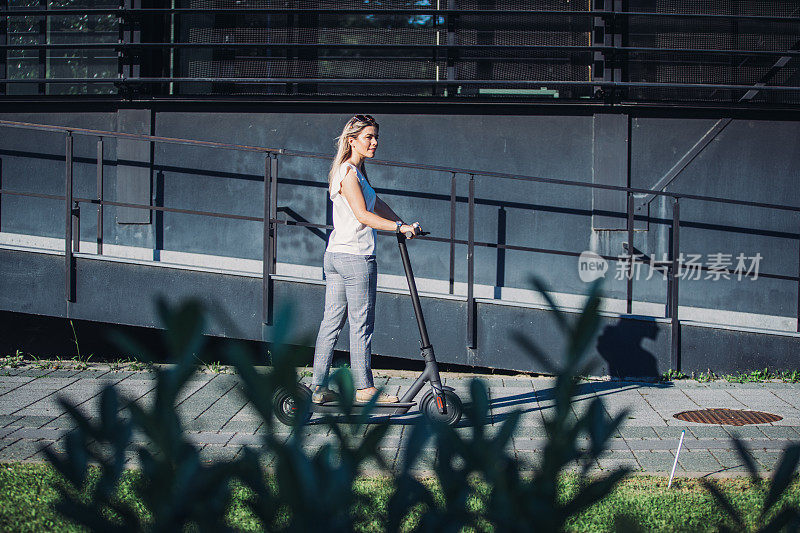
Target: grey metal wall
[
  {"x": 125, "y": 293},
  {"x": 756, "y": 160},
  {"x": 752, "y": 158}
]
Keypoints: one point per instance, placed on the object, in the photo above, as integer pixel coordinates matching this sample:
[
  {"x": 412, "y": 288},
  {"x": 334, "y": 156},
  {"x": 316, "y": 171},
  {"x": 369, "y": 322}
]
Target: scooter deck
[
  {"x": 403, "y": 405},
  {"x": 381, "y": 409}
]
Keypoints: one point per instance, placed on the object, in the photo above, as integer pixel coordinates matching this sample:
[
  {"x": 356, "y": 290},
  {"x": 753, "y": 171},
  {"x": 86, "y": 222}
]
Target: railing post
[
  {"x": 452, "y": 232},
  {"x": 471, "y": 341},
  {"x": 629, "y": 288},
  {"x": 1, "y": 195},
  {"x": 76, "y": 227},
  {"x": 798, "y": 283},
  {"x": 673, "y": 299},
  {"x": 100, "y": 196},
  {"x": 267, "y": 245},
  {"x": 273, "y": 210},
  {"x": 68, "y": 260}
]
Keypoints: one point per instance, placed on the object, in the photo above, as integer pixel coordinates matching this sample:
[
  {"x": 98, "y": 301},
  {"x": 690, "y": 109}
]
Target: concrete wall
[{"x": 125, "y": 293}]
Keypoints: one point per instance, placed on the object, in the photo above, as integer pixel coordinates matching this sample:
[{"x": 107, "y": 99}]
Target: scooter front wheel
[
  {"x": 454, "y": 407},
  {"x": 285, "y": 408}
]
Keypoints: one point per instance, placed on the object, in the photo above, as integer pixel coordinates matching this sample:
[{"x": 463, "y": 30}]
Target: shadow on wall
[{"x": 620, "y": 346}]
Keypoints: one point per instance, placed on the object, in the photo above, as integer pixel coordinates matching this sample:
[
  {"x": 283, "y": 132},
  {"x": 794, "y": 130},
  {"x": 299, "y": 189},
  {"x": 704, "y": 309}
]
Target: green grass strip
[{"x": 27, "y": 494}]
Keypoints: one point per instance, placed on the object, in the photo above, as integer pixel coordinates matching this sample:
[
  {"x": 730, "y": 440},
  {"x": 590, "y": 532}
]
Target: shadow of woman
[{"x": 620, "y": 346}]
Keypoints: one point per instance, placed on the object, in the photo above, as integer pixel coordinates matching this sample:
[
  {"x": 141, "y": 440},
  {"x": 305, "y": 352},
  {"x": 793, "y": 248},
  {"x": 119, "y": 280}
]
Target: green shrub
[{"x": 289, "y": 487}]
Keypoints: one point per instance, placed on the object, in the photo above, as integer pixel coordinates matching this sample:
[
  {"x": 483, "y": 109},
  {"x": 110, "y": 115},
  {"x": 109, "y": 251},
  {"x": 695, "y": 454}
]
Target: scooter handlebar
[{"x": 408, "y": 234}]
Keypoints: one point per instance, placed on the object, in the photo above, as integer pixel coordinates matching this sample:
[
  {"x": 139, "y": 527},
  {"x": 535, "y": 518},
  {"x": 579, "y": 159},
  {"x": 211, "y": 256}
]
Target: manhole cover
[{"x": 731, "y": 417}]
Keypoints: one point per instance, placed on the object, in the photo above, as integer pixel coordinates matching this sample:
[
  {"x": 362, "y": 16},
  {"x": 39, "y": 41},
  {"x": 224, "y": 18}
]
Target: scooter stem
[
  {"x": 412, "y": 287},
  {"x": 431, "y": 373}
]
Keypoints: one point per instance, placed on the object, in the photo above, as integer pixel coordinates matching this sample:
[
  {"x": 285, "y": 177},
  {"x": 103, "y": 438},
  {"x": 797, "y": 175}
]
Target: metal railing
[{"x": 271, "y": 222}]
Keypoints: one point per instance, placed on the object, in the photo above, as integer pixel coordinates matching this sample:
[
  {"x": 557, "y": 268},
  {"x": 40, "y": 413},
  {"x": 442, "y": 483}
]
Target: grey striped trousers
[{"x": 351, "y": 284}]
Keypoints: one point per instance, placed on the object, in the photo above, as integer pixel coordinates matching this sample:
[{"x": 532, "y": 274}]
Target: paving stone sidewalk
[{"x": 220, "y": 421}]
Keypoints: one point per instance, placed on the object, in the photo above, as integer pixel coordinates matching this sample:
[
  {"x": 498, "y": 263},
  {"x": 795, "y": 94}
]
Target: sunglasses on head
[{"x": 363, "y": 118}]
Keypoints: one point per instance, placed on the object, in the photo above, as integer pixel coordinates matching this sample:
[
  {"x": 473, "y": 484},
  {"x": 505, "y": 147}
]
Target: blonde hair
[{"x": 352, "y": 128}]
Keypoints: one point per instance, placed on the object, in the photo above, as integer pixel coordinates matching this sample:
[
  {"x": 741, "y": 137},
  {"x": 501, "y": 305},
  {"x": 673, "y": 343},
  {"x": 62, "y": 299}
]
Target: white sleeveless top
[{"x": 350, "y": 236}]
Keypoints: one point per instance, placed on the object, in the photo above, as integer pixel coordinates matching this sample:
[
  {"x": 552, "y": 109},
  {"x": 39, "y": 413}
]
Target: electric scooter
[{"x": 438, "y": 402}]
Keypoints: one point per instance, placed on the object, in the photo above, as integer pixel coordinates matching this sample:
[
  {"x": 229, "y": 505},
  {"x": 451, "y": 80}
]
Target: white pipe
[{"x": 676, "y": 459}]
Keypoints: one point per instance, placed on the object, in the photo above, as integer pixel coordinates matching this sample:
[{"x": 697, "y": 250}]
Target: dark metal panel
[
  {"x": 754, "y": 159},
  {"x": 533, "y": 214},
  {"x": 34, "y": 161},
  {"x": 544, "y": 145},
  {"x": 395, "y": 333},
  {"x": 683, "y": 162},
  {"x": 33, "y": 283},
  {"x": 657, "y": 144},
  {"x": 748, "y": 161},
  {"x": 134, "y": 167},
  {"x": 125, "y": 293},
  {"x": 725, "y": 350},
  {"x": 303, "y": 304},
  {"x": 629, "y": 346},
  {"x": 219, "y": 180},
  {"x": 610, "y": 152}
]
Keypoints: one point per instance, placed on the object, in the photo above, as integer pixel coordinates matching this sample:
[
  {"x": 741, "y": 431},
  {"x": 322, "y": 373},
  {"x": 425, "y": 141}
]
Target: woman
[{"x": 350, "y": 269}]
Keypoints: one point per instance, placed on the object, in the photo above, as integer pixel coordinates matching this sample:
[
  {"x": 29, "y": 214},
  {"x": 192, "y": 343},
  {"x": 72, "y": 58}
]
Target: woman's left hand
[{"x": 410, "y": 231}]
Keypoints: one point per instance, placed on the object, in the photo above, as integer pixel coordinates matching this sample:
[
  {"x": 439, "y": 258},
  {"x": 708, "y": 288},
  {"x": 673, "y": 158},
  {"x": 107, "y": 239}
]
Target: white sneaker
[
  {"x": 323, "y": 395},
  {"x": 363, "y": 396}
]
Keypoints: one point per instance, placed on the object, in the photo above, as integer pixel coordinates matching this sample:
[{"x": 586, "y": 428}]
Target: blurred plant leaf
[
  {"x": 306, "y": 486},
  {"x": 724, "y": 503},
  {"x": 747, "y": 459},
  {"x": 783, "y": 476}
]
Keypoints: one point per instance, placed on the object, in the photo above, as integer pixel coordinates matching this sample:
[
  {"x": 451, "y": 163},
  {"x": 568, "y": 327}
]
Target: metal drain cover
[{"x": 731, "y": 417}]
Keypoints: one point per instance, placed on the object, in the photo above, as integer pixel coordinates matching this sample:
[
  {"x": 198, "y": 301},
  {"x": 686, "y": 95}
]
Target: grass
[
  {"x": 27, "y": 493},
  {"x": 12, "y": 361},
  {"x": 764, "y": 375},
  {"x": 671, "y": 375},
  {"x": 81, "y": 362},
  {"x": 76, "y": 362},
  {"x": 755, "y": 376}
]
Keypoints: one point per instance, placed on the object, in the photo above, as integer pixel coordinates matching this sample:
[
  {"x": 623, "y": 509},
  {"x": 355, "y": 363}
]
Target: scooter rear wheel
[
  {"x": 285, "y": 408},
  {"x": 454, "y": 408}
]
